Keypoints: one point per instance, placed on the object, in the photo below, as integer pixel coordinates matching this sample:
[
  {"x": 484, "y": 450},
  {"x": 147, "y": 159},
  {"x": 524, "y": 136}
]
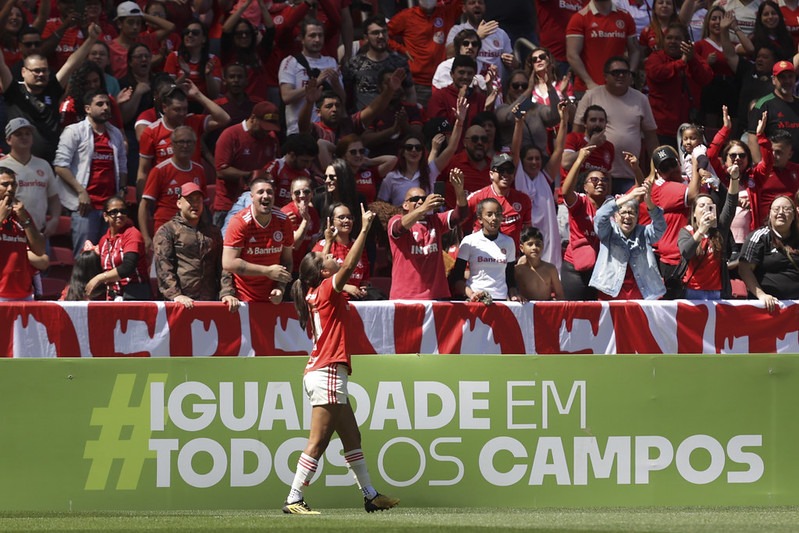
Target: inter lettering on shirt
[{"x": 425, "y": 249}]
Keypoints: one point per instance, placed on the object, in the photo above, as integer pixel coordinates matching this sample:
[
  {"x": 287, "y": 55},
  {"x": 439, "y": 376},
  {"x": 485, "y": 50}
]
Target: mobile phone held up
[{"x": 524, "y": 106}]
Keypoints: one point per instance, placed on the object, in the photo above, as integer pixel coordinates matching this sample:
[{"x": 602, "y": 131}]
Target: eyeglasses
[
  {"x": 519, "y": 86},
  {"x": 243, "y": 33},
  {"x": 43, "y": 70},
  {"x": 538, "y": 57},
  {"x": 414, "y": 199},
  {"x": 628, "y": 214},
  {"x": 302, "y": 192},
  {"x": 470, "y": 43},
  {"x": 357, "y": 151},
  {"x": 478, "y": 139},
  {"x": 331, "y": 177},
  {"x": 117, "y": 212},
  {"x": 619, "y": 72},
  {"x": 594, "y": 180},
  {"x": 31, "y": 44},
  {"x": 194, "y": 32},
  {"x": 782, "y": 209},
  {"x": 344, "y": 217},
  {"x": 736, "y": 155},
  {"x": 413, "y": 147}
]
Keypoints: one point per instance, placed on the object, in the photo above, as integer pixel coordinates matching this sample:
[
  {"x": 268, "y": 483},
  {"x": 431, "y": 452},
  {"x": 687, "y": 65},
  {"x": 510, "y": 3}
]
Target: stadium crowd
[{"x": 196, "y": 151}]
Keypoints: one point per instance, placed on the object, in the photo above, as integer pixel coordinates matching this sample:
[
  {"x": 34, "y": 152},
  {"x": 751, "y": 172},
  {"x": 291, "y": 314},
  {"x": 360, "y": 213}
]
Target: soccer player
[{"x": 322, "y": 309}]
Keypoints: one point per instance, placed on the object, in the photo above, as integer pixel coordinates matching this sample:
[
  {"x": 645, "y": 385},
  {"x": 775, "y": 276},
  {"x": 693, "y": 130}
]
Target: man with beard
[
  {"x": 92, "y": 163},
  {"x": 258, "y": 247},
  {"x": 161, "y": 192},
  {"x": 362, "y": 71},
  {"x": 782, "y": 109},
  {"x": 675, "y": 76},
  {"x": 234, "y": 101},
  {"x": 516, "y": 206},
  {"x": 595, "y": 120},
  {"x": 296, "y": 70},
  {"x": 188, "y": 255},
  {"x": 241, "y": 150},
  {"x": 472, "y": 161}
]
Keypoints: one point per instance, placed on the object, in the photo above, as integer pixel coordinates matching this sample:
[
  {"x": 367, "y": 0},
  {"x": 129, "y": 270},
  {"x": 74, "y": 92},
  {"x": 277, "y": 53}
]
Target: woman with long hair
[
  {"x": 13, "y": 20},
  {"x": 322, "y": 311},
  {"x": 242, "y": 43},
  {"x": 139, "y": 77},
  {"x": 192, "y": 60},
  {"x": 88, "y": 77},
  {"x": 769, "y": 261},
  {"x": 368, "y": 172},
  {"x": 723, "y": 90},
  {"x": 664, "y": 12},
  {"x": 100, "y": 55},
  {"x": 122, "y": 256},
  {"x": 702, "y": 244},
  {"x": 339, "y": 187},
  {"x": 87, "y": 266},
  {"x": 339, "y": 242},
  {"x": 770, "y": 29}
]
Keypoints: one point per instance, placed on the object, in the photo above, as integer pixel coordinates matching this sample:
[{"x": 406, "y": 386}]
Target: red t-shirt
[
  {"x": 260, "y": 245},
  {"x": 163, "y": 188},
  {"x": 768, "y": 182},
  {"x": 703, "y": 273},
  {"x": 339, "y": 251},
  {"x": 16, "y": 276},
  {"x": 603, "y": 37},
  {"x": 517, "y": 210},
  {"x": 704, "y": 48},
  {"x": 367, "y": 182},
  {"x": 102, "y": 181},
  {"x": 113, "y": 248},
  {"x": 300, "y": 249},
  {"x": 329, "y": 315},
  {"x": 791, "y": 17},
  {"x": 282, "y": 175},
  {"x": 156, "y": 140},
  {"x": 474, "y": 178},
  {"x": 119, "y": 54},
  {"x": 237, "y": 148},
  {"x": 418, "y": 271},
  {"x": 72, "y": 38},
  {"x": 600, "y": 159},
  {"x": 69, "y": 114},
  {"x": 583, "y": 241},
  {"x": 176, "y": 66},
  {"x": 553, "y": 17},
  {"x": 670, "y": 197}
]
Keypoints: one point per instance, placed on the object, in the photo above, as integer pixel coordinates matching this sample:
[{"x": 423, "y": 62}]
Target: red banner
[{"x": 159, "y": 329}]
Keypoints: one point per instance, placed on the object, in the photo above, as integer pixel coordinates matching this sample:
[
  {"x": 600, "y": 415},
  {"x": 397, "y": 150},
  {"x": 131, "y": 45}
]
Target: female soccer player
[{"x": 322, "y": 309}]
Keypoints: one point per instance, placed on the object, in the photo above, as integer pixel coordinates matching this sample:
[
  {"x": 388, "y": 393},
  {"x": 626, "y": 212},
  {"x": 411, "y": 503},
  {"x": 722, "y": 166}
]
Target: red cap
[
  {"x": 189, "y": 188},
  {"x": 783, "y": 66},
  {"x": 268, "y": 114}
]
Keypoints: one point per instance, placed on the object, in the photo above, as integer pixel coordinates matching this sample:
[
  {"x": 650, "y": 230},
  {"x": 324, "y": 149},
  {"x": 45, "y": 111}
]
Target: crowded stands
[{"x": 594, "y": 150}]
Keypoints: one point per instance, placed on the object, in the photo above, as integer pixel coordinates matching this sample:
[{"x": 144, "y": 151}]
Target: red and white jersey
[
  {"x": 367, "y": 182},
  {"x": 583, "y": 244},
  {"x": 418, "y": 272},
  {"x": 600, "y": 159},
  {"x": 329, "y": 314},
  {"x": 282, "y": 176},
  {"x": 176, "y": 66},
  {"x": 487, "y": 262},
  {"x": 553, "y": 17},
  {"x": 16, "y": 276},
  {"x": 260, "y": 245},
  {"x": 339, "y": 251},
  {"x": 156, "y": 140},
  {"x": 517, "y": 210},
  {"x": 671, "y": 197},
  {"x": 163, "y": 187},
  {"x": 113, "y": 249}
]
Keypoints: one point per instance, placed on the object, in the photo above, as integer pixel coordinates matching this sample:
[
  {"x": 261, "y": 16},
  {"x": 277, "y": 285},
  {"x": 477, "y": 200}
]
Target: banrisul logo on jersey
[{"x": 449, "y": 430}]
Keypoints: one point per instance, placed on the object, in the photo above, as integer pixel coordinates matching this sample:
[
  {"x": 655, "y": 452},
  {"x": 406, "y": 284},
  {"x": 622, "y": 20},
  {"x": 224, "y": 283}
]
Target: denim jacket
[{"x": 616, "y": 251}]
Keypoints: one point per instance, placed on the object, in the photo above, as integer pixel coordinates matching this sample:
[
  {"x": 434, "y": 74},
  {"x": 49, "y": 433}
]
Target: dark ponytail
[{"x": 310, "y": 276}]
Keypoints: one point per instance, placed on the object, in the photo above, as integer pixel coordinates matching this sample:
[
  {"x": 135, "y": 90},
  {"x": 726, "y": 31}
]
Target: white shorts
[{"x": 327, "y": 385}]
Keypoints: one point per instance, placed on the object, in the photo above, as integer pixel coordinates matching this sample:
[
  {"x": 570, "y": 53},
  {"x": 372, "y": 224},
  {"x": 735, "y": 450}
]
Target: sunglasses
[
  {"x": 506, "y": 170},
  {"x": 302, "y": 192},
  {"x": 478, "y": 139},
  {"x": 414, "y": 199},
  {"x": 194, "y": 33},
  {"x": 413, "y": 147},
  {"x": 115, "y": 212},
  {"x": 736, "y": 155},
  {"x": 243, "y": 33},
  {"x": 357, "y": 151},
  {"x": 31, "y": 44},
  {"x": 539, "y": 57},
  {"x": 331, "y": 177},
  {"x": 470, "y": 43},
  {"x": 519, "y": 86},
  {"x": 619, "y": 72}
]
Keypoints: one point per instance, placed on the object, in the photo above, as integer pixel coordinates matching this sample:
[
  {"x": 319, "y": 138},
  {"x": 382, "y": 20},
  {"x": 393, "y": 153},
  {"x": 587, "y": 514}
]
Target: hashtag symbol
[{"x": 124, "y": 435}]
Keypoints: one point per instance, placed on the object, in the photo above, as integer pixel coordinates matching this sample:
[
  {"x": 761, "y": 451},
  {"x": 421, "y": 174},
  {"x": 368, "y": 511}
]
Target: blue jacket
[{"x": 616, "y": 251}]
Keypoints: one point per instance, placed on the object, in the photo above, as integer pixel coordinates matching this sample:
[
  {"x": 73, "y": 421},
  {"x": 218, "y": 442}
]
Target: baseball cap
[
  {"x": 782, "y": 66},
  {"x": 128, "y": 9},
  {"x": 663, "y": 154},
  {"x": 15, "y": 124},
  {"x": 268, "y": 114},
  {"x": 500, "y": 160},
  {"x": 189, "y": 188}
]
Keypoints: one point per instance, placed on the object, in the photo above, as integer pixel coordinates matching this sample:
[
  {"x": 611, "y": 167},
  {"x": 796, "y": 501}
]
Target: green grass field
[{"x": 710, "y": 520}]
